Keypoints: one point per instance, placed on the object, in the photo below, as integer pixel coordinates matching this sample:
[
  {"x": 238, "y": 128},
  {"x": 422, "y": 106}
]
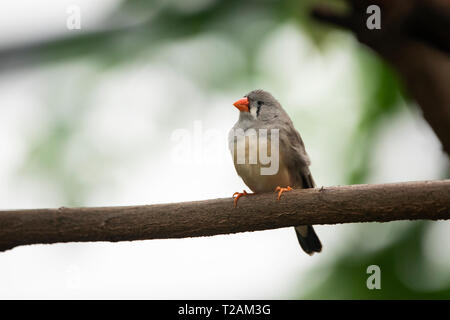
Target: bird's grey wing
[{"x": 293, "y": 153}]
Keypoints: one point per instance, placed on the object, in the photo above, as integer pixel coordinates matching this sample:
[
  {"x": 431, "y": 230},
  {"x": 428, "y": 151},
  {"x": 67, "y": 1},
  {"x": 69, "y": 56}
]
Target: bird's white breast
[{"x": 251, "y": 173}]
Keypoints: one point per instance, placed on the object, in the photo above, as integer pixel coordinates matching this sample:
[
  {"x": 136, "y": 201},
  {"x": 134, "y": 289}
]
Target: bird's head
[{"x": 258, "y": 105}]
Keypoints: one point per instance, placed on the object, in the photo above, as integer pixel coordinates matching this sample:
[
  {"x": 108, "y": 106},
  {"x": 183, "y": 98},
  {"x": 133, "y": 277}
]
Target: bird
[{"x": 260, "y": 112}]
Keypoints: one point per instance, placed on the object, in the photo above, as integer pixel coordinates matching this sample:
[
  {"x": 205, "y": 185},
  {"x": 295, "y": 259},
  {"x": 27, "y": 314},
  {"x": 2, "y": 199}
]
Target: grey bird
[{"x": 260, "y": 111}]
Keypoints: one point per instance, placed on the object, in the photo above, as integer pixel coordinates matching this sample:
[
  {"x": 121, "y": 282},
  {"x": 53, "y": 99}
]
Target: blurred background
[{"x": 134, "y": 108}]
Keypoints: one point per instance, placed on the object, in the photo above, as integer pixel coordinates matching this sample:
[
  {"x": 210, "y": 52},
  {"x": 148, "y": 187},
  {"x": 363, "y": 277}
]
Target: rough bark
[
  {"x": 415, "y": 39},
  {"x": 343, "y": 204}
]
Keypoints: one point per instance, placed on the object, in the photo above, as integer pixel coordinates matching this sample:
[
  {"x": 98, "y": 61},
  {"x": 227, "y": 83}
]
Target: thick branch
[{"x": 357, "y": 203}]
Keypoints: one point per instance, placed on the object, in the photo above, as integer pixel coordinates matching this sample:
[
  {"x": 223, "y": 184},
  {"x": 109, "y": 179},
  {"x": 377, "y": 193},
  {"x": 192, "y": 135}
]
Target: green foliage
[
  {"x": 347, "y": 279},
  {"x": 381, "y": 100}
]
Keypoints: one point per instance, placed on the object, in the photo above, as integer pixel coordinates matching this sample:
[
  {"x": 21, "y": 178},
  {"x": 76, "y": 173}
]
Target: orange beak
[{"x": 242, "y": 104}]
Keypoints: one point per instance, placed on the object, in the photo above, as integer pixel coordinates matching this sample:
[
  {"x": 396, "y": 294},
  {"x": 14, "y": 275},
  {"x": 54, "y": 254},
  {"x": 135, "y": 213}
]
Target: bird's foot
[
  {"x": 280, "y": 191},
  {"x": 237, "y": 195}
]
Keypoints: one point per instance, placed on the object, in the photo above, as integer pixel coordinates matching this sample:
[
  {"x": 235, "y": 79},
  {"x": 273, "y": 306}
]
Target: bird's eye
[{"x": 260, "y": 103}]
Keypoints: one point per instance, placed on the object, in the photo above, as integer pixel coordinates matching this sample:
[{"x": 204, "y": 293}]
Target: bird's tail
[{"x": 308, "y": 239}]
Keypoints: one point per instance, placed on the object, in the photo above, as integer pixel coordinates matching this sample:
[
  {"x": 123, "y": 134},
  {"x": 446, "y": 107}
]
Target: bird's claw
[
  {"x": 280, "y": 191},
  {"x": 237, "y": 195}
]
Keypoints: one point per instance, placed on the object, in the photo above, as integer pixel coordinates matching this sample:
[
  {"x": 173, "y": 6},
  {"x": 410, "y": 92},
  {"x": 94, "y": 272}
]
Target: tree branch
[{"x": 344, "y": 204}]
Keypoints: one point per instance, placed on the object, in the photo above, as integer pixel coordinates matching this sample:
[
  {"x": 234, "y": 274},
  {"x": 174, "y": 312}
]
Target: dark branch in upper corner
[{"x": 415, "y": 39}]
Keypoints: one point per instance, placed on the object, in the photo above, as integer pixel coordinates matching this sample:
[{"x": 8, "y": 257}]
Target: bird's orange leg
[
  {"x": 280, "y": 191},
  {"x": 237, "y": 195}
]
